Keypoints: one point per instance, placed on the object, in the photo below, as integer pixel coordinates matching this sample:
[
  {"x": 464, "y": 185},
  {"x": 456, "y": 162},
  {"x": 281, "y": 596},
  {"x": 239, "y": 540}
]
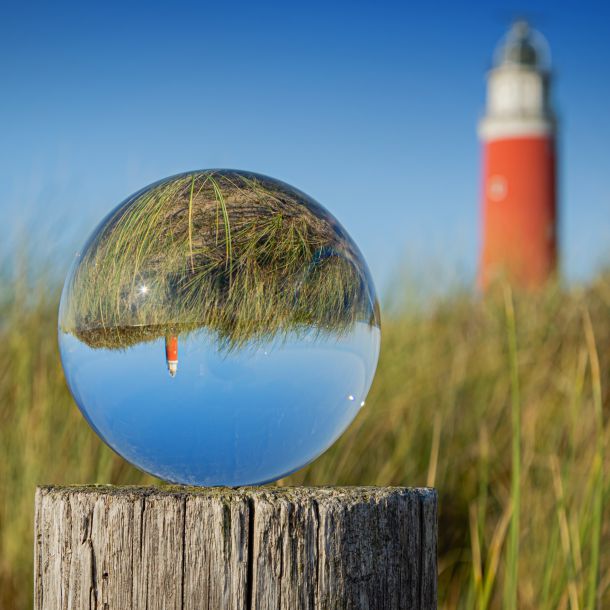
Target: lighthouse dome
[{"x": 523, "y": 47}]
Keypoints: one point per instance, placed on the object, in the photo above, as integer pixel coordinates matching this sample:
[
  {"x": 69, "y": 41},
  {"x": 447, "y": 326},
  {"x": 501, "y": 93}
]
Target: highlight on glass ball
[{"x": 219, "y": 327}]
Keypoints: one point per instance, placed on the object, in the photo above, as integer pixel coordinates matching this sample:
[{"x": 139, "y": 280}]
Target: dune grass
[{"x": 501, "y": 404}]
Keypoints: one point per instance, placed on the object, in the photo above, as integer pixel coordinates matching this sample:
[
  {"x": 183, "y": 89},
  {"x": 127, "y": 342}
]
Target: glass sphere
[{"x": 219, "y": 327}]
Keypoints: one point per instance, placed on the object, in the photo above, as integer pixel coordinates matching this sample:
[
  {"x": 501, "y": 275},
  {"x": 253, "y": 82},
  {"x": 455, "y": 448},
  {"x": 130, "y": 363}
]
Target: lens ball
[{"x": 219, "y": 327}]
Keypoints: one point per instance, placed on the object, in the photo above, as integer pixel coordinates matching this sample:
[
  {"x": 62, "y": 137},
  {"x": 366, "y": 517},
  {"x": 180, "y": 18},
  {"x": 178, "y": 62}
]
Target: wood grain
[{"x": 263, "y": 548}]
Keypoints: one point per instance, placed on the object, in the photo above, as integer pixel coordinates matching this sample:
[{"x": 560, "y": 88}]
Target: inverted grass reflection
[{"x": 238, "y": 254}]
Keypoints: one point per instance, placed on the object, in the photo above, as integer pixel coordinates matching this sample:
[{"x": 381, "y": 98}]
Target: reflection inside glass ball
[{"x": 219, "y": 328}]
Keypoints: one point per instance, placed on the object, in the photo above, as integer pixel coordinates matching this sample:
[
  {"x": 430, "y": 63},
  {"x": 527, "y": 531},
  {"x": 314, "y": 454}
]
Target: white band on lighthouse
[{"x": 494, "y": 128}]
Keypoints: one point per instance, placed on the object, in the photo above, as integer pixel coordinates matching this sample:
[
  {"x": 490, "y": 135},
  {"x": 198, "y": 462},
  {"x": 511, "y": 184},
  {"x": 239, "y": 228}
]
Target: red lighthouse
[
  {"x": 171, "y": 354},
  {"x": 519, "y": 216}
]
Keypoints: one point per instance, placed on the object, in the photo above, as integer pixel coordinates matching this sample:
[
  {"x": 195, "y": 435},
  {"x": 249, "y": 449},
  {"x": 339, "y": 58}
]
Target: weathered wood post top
[{"x": 107, "y": 548}]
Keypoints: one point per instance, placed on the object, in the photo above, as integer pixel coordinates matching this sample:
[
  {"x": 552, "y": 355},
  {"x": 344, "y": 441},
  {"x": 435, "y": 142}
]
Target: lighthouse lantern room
[{"x": 519, "y": 241}]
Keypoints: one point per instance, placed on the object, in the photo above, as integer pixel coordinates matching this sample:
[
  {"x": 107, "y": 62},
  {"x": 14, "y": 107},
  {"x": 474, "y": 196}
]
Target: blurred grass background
[{"x": 498, "y": 403}]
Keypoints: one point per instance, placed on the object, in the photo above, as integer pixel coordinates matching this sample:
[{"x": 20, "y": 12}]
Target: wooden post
[{"x": 108, "y": 548}]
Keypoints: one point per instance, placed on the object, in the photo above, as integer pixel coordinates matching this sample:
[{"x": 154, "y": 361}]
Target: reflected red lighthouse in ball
[
  {"x": 519, "y": 209},
  {"x": 171, "y": 354}
]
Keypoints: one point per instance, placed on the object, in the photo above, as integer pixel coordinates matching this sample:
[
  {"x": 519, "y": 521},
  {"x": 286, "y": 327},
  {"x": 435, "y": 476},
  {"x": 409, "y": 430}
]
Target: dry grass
[{"x": 466, "y": 392}]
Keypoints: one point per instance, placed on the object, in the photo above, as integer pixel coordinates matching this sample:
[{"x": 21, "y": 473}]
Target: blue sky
[{"x": 371, "y": 108}]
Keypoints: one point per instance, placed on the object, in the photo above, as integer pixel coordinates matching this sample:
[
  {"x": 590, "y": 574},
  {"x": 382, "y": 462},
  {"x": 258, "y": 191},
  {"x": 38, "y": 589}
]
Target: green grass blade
[
  {"x": 592, "y": 601},
  {"x": 512, "y": 552}
]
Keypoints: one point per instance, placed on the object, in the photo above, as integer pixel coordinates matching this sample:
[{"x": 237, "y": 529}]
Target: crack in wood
[
  {"x": 422, "y": 549},
  {"x": 317, "y": 553},
  {"x": 183, "y": 565},
  {"x": 89, "y": 541},
  {"x": 250, "y": 556}
]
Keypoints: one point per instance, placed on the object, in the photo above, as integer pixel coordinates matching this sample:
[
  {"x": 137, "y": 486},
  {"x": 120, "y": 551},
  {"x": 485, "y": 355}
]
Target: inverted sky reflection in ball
[{"x": 219, "y": 328}]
